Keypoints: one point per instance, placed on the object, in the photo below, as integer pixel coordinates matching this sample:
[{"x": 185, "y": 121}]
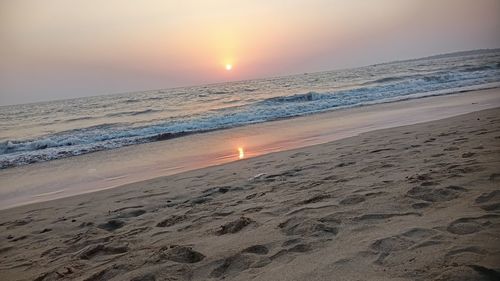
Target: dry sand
[{"x": 419, "y": 202}]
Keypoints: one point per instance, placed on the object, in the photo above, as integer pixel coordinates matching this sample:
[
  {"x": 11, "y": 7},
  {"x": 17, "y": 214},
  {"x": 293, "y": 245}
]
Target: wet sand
[
  {"x": 107, "y": 169},
  {"x": 418, "y": 202}
]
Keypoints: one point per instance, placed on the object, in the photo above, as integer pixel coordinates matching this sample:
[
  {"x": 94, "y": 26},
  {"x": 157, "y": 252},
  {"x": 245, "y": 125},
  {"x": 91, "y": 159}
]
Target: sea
[{"x": 45, "y": 131}]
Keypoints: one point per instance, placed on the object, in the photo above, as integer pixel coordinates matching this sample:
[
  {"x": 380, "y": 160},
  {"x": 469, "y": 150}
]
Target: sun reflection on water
[{"x": 241, "y": 153}]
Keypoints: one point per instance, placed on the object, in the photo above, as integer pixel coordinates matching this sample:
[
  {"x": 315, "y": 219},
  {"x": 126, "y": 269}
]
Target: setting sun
[{"x": 261, "y": 139}]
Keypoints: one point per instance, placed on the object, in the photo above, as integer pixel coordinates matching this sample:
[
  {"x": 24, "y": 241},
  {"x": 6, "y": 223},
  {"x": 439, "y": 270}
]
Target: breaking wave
[{"x": 389, "y": 84}]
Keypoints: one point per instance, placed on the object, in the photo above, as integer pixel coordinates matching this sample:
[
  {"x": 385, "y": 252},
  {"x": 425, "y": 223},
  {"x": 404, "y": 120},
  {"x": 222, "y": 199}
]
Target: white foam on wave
[{"x": 382, "y": 89}]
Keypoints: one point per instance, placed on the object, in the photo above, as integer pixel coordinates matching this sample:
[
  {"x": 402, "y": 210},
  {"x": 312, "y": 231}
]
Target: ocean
[{"x": 44, "y": 131}]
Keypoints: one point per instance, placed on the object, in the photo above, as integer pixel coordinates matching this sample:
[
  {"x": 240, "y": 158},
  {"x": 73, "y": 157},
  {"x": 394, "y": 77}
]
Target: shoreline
[
  {"x": 173, "y": 135},
  {"x": 415, "y": 202},
  {"x": 105, "y": 169}
]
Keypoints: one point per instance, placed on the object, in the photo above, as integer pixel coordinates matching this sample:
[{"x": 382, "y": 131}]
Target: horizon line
[{"x": 259, "y": 78}]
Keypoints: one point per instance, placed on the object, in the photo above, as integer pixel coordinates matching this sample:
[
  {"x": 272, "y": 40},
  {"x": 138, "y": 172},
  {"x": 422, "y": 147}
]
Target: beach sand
[{"x": 418, "y": 202}]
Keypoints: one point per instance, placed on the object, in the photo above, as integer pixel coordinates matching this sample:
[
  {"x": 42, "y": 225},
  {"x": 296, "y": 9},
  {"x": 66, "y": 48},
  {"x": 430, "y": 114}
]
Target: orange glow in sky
[{"x": 80, "y": 48}]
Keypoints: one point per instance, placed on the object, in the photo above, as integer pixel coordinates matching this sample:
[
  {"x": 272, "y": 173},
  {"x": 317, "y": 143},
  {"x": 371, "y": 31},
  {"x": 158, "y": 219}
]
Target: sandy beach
[
  {"x": 418, "y": 202},
  {"x": 250, "y": 140}
]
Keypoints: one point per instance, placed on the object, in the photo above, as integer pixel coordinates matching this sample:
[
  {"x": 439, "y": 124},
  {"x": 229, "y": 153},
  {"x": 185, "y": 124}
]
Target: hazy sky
[{"x": 53, "y": 49}]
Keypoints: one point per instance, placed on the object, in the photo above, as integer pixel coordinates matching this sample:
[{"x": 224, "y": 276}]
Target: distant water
[{"x": 49, "y": 130}]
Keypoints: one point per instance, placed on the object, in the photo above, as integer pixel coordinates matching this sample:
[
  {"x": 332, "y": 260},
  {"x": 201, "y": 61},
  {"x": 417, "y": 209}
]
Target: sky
[{"x": 56, "y": 49}]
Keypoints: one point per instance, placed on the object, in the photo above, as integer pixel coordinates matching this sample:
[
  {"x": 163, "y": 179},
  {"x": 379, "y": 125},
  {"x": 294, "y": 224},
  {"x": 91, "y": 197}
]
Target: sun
[{"x": 229, "y": 67}]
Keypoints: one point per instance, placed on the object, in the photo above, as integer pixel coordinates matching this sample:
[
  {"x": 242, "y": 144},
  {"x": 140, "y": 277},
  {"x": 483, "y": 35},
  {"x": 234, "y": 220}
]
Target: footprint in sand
[
  {"x": 233, "y": 265},
  {"x": 172, "y": 220},
  {"x": 299, "y": 248},
  {"x": 468, "y": 154},
  {"x": 464, "y": 226},
  {"x": 352, "y": 200},
  {"x": 435, "y": 194},
  {"x": 257, "y": 249},
  {"x": 100, "y": 249},
  {"x": 112, "y": 225},
  {"x": 410, "y": 239},
  {"x": 181, "y": 254},
  {"x": 132, "y": 214},
  {"x": 308, "y": 227},
  {"x": 489, "y": 201},
  {"x": 234, "y": 226},
  {"x": 315, "y": 199},
  {"x": 289, "y": 252}
]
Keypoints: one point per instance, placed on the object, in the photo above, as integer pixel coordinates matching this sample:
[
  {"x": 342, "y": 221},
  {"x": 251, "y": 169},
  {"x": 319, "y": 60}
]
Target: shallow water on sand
[
  {"x": 45, "y": 131},
  {"x": 107, "y": 169}
]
